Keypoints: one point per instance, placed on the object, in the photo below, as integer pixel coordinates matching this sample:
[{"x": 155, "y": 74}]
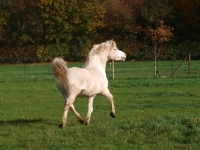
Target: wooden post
[
  {"x": 155, "y": 60},
  {"x": 113, "y": 70},
  {"x": 24, "y": 65},
  {"x": 189, "y": 60},
  {"x": 110, "y": 70}
]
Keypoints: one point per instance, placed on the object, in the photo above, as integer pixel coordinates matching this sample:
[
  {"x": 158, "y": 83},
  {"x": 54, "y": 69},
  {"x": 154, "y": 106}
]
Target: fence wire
[{"x": 122, "y": 70}]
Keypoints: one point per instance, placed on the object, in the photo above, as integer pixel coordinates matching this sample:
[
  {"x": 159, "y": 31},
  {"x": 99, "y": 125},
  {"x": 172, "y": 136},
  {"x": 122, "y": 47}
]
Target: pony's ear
[{"x": 112, "y": 43}]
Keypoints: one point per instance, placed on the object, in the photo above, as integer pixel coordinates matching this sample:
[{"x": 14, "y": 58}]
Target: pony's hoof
[
  {"x": 87, "y": 123},
  {"x": 61, "y": 126},
  {"x": 112, "y": 114},
  {"x": 81, "y": 121}
]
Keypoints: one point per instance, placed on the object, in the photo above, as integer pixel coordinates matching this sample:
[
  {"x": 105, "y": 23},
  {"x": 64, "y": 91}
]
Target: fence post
[
  {"x": 172, "y": 65},
  {"x": 123, "y": 66},
  {"x": 47, "y": 65},
  {"x": 113, "y": 70},
  {"x": 24, "y": 65},
  {"x": 189, "y": 61},
  {"x": 110, "y": 72}
]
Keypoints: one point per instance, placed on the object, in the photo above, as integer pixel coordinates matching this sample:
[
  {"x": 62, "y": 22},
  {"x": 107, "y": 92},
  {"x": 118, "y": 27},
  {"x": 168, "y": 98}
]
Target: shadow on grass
[{"x": 20, "y": 122}]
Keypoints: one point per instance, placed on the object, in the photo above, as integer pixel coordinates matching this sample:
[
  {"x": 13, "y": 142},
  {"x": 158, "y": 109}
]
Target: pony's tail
[{"x": 59, "y": 69}]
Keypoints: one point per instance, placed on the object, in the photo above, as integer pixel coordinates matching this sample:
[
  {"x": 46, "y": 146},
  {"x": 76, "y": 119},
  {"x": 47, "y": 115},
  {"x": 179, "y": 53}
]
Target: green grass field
[{"x": 151, "y": 113}]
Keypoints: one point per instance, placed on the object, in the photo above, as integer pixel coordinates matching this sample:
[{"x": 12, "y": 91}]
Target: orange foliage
[{"x": 161, "y": 34}]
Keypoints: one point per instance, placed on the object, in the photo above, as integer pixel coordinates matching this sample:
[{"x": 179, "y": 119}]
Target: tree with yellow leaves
[
  {"x": 157, "y": 32},
  {"x": 70, "y": 25},
  {"x": 158, "y": 35}
]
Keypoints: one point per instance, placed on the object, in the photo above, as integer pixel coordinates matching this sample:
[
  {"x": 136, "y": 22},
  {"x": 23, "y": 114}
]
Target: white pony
[{"x": 88, "y": 81}]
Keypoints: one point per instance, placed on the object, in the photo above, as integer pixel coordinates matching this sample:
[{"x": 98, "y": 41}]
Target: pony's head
[
  {"x": 105, "y": 51},
  {"x": 115, "y": 53}
]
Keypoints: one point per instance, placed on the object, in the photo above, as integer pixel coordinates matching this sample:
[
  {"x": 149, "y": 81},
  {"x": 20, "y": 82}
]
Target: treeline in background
[{"x": 144, "y": 29}]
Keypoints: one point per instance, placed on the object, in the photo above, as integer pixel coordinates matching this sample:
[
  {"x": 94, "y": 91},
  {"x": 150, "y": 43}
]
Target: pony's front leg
[
  {"x": 111, "y": 99},
  {"x": 68, "y": 104},
  {"x": 112, "y": 113},
  {"x": 90, "y": 110}
]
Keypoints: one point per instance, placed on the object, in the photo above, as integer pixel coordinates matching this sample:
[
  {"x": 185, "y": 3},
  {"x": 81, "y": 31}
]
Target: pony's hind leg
[
  {"x": 68, "y": 104},
  {"x": 78, "y": 116},
  {"x": 90, "y": 110},
  {"x": 64, "y": 117}
]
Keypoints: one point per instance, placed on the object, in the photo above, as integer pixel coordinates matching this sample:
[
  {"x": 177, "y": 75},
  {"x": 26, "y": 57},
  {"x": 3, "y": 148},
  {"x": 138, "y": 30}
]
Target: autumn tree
[
  {"x": 86, "y": 19},
  {"x": 4, "y": 15},
  {"x": 154, "y": 14},
  {"x": 68, "y": 27},
  {"x": 43, "y": 29},
  {"x": 158, "y": 35},
  {"x": 54, "y": 30},
  {"x": 187, "y": 23},
  {"x": 187, "y": 8},
  {"x": 18, "y": 40},
  {"x": 48, "y": 28}
]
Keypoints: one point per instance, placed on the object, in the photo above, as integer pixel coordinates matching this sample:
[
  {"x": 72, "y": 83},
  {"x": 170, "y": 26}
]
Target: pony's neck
[{"x": 97, "y": 62}]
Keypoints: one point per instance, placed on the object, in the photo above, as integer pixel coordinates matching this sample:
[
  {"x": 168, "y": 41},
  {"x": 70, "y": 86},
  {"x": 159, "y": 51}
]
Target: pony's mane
[{"x": 98, "y": 49}]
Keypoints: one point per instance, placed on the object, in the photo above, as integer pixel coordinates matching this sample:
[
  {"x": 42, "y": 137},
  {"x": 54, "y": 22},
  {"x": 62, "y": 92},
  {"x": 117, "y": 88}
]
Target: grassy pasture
[{"x": 151, "y": 113}]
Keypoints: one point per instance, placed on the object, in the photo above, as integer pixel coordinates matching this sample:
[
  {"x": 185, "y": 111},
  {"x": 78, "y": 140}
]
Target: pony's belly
[{"x": 85, "y": 93}]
